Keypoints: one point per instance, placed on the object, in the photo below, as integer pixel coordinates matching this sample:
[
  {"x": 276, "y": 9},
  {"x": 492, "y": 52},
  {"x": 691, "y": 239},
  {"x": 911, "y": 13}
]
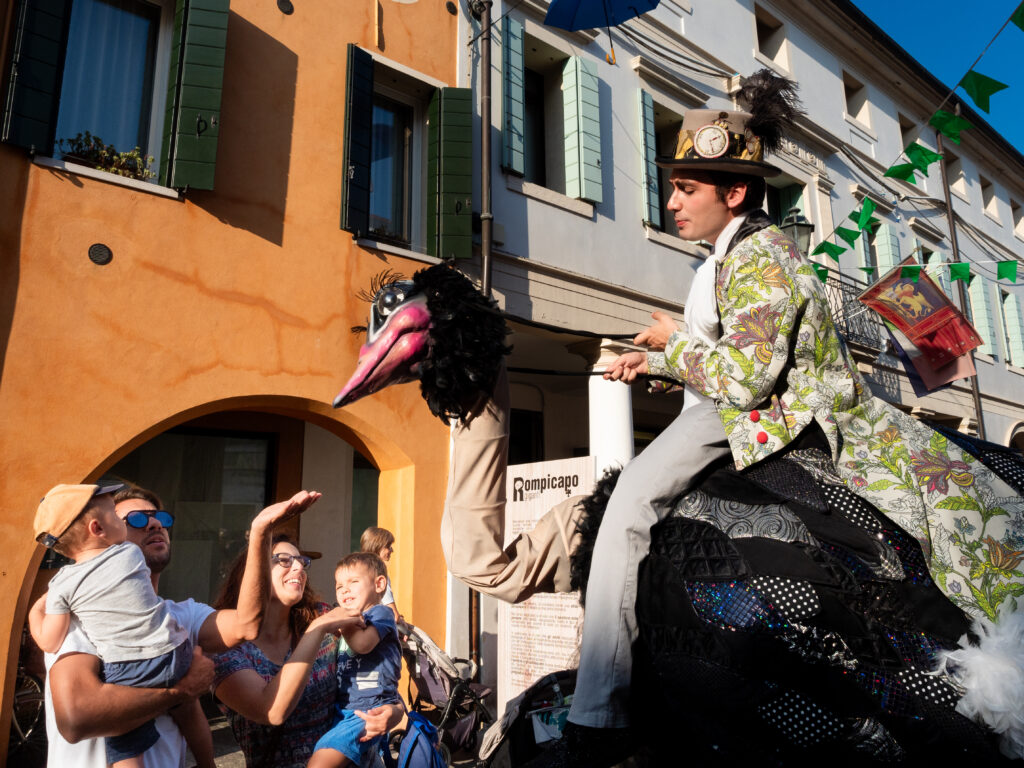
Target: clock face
[{"x": 711, "y": 141}]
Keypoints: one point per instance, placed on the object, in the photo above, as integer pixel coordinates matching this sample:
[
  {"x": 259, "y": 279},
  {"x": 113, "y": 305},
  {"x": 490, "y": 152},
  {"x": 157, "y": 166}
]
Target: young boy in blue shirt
[{"x": 369, "y": 661}]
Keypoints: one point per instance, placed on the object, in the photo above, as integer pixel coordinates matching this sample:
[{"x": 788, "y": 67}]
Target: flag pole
[{"x": 951, "y": 221}]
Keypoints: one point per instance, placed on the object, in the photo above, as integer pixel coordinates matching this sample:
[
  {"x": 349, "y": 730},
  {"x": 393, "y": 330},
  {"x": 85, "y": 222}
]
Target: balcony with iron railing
[{"x": 858, "y": 325}]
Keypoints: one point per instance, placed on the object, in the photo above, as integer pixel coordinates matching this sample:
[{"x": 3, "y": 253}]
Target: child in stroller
[{"x": 444, "y": 694}]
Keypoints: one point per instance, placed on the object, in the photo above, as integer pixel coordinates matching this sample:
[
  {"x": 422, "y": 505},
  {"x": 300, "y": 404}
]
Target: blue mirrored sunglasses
[
  {"x": 285, "y": 560},
  {"x": 140, "y": 518}
]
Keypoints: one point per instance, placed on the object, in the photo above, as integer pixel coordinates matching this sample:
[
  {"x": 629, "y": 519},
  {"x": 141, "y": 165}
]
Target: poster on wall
[{"x": 539, "y": 635}]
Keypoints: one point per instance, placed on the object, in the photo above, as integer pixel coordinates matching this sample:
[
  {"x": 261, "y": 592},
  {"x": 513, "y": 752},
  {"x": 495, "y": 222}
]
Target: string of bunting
[{"x": 980, "y": 88}]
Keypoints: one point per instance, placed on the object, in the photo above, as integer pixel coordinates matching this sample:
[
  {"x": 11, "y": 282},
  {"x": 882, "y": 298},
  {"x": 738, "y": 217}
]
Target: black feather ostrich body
[{"x": 781, "y": 617}]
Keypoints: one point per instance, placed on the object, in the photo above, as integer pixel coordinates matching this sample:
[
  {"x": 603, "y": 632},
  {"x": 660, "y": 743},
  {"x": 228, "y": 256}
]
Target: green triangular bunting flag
[
  {"x": 1007, "y": 270},
  {"x": 912, "y": 273},
  {"x": 921, "y": 157},
  {"x": 903, "y": 171},
  {"x": 831, "y": 249},
  {"x": 864, "y": 217},
  {"x": 869, "y": 271},
  {"x": 1018, "y": 16},
  {"x": 980, "y": 88},
  {"x": 822, "y": 271},
  {"x": 959, "y": 272},
  {"x": 849, "y": 235},
  {"x": 949, "y": 125}
]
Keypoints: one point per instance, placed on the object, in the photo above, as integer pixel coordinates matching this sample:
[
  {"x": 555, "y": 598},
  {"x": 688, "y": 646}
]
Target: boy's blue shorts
[
  {"x": 345, "y": 735},
  {"x": 160, "y": 672}
]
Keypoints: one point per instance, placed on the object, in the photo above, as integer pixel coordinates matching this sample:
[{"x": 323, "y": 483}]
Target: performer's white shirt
[{"x": 701, "y": 310}]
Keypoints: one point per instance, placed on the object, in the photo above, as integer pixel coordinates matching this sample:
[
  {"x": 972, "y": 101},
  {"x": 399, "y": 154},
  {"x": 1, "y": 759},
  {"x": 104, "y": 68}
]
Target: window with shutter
[
  {"x": 551, "y": 132},
  {"x": 61, "y": 89},
  {"x": 192, "y": 123},
  {"x": 355, "y": 188},
  {"x": 38, "y": 40},
  {"x": 514, "y": 96},
  {"x": 582, "y": 119},
  {"x": 1013, "y": 326},
  {"x": 649, "y": 176},
  {"x": 450, "y": 174},
  {"x": 981, "y": 314},
  {"x": 407, "y": 159},
  {"x": 887, "y": 248}
]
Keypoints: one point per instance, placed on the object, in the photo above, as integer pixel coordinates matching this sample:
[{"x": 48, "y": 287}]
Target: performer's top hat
[{"x": 736, "y": 142}]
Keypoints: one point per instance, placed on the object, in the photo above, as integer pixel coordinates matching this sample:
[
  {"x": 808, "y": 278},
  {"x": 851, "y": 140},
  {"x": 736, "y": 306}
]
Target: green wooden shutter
[
  {"x": 513, "y": 134},
  {"x": 450, "y": 174},
  {"x": 1013, "y": 321},
  {"x": 39, "y": 38},
  {"x": 792, "y": 197},
  {"x": 355, "y": 163},
  {"x": 192, "y": 118},
  {"x": 981, "y": 314},
  {"x": 887, "y": 248},
  {"x": 581, "y": 109},
  {"x": 649, "y": 178}
]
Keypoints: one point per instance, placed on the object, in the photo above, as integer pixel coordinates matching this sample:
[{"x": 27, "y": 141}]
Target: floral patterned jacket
[{"x": 779, "y": 365}]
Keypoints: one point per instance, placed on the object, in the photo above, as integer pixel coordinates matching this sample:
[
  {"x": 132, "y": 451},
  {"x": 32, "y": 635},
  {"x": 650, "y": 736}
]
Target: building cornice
[{"x": 663, "y": 77}]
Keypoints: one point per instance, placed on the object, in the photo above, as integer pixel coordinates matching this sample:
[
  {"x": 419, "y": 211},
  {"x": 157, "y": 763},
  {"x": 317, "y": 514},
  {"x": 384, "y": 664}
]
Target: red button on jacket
[
  {"x": 762, "y": 437},
  {"x": 755, "y": 416}
]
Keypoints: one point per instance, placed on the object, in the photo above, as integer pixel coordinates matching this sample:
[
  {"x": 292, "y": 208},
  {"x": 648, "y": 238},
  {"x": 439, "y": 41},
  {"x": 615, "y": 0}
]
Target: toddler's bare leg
[{"x": 192, "y": 723}]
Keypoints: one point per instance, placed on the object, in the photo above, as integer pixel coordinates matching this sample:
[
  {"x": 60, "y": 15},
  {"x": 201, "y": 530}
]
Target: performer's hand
[
  {"x": 627, "y": 367},
  {"x": 656, "y": 337}
]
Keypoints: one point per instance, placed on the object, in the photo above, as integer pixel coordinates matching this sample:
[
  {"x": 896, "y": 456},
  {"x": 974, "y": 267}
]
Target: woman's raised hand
[{"x": 337, "y": 621}]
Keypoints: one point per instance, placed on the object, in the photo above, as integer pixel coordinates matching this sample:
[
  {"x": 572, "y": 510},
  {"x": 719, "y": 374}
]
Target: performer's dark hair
[{"x": 756, "y": 189}]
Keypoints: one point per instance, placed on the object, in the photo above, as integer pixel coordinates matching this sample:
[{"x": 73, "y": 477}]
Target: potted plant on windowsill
[{"x": 86, "y": 149}]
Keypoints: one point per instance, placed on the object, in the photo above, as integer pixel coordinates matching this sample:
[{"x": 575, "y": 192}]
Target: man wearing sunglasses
[{"x": 80, "y": 708}]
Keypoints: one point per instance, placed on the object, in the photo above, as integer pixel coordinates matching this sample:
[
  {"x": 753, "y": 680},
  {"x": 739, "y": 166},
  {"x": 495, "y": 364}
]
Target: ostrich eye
[{"x": 389, "y": 299}]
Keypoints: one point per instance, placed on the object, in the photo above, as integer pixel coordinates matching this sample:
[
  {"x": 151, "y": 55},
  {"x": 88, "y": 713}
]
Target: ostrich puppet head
[{"x": 437, "y": 328}]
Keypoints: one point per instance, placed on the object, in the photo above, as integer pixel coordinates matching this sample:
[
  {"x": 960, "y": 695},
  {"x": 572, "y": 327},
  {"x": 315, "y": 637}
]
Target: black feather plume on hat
[
  {"x": 467, "y": 336},
  {"x": 773, "y": 104}
]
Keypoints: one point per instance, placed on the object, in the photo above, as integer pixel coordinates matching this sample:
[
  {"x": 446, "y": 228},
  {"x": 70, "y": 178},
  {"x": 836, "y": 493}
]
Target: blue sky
[{"x": 946, "y": 38}]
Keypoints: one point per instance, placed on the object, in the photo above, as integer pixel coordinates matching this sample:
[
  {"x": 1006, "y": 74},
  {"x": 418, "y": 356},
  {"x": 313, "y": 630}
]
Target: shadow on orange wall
[{"x": 253, "y": 157}]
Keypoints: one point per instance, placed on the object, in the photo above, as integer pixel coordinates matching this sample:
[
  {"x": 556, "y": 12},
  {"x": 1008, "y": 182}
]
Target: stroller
[
  {"x": 444, "y": 693},
  {"x": 533, "y": 722}
]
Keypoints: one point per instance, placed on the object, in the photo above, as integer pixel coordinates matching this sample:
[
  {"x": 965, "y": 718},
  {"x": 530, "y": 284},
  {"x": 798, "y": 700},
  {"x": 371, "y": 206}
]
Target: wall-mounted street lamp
[{"x": 798, "y": 228}]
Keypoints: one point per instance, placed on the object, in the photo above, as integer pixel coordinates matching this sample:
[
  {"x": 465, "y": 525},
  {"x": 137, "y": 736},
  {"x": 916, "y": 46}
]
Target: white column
[{"x": 610, "y": 408}]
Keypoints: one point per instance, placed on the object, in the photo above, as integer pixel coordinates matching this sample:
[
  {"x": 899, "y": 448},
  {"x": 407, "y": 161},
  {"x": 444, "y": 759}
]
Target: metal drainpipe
[
  {"x": 951, "y": 220},
  {"x": 486, "y": 217},
  {"x": 486, "y": 221}
]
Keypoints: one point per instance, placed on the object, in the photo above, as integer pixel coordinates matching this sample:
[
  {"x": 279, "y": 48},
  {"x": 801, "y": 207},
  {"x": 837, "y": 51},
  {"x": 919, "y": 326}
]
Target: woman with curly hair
[{"x": 278, "y": 691}]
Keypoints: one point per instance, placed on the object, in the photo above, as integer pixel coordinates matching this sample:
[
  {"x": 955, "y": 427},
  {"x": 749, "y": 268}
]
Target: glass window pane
[
  {"x": 390, "y": 168},
  {"x": 214, "y": 484},
  {"x": 108, "y": 72}
]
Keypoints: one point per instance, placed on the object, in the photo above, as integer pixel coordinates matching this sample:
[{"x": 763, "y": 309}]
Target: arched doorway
[
  {"x": 214, "y": 473},
  {"x": 218, "y": 463}
]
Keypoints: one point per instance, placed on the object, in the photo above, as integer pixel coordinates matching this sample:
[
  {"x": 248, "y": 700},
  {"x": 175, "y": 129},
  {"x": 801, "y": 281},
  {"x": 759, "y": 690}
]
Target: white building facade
[{"x": 582, "y": 241}]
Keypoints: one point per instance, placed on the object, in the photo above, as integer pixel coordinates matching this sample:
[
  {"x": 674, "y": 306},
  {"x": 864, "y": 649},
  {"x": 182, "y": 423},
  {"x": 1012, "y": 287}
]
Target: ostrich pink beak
[{"x": 392, "y": 354}]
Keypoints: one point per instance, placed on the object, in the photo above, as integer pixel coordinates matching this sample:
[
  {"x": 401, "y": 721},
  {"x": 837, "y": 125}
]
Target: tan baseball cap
[{"x": 61, "y": 505}]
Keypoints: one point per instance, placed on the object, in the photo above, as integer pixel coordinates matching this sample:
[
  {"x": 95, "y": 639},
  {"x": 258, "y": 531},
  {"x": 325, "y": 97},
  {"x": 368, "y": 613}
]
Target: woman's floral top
[
  {"x": 779, "y": 365},
  {"x": 290, "y": 744}
]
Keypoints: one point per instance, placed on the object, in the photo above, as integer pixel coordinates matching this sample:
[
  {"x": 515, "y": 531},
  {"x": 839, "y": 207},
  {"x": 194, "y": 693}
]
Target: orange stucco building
[{"x": 227, "y": 308}]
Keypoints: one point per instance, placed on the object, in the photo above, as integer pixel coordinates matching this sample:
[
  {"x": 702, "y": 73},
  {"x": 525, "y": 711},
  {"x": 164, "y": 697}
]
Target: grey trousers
[{"x": 647, "y": 485}]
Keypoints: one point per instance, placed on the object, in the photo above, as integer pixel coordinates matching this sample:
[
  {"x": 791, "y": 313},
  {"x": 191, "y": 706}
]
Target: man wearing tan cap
[{"x": 81, "y": 707}]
